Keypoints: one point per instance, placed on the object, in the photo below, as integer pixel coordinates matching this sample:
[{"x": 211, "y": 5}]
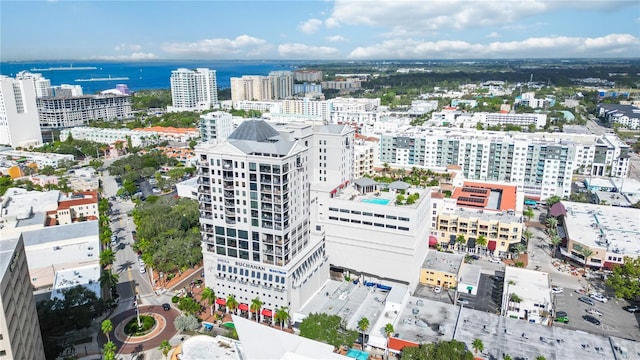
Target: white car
[
  {"x": 557, "y": 290},
  {"x": 599, "y": 297},
  {"x": 437, "y": 290},
  {"x": 495, "y": 260},
  {"x": 142, "y": 269},
  {"x": 463, "y": 302},
  {"x": 593, "y": 311}
]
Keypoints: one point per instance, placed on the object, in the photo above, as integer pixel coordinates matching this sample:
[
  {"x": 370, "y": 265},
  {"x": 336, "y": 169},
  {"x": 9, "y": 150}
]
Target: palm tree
[
  {"x": 540, "y": 357},
  {"x": 527, "y": 235},
  {"x": 507, "y": 357},
  {"x": 107, "y": 327},
  {"x": 461, "y": 241},
  {"x": 108, "y": 279},
  {"x": 363, "y": 325},
  {"x": 282, "y": 315},
  {"x": 256, "y": 305},
  {"x": 232, "y": 303},
  {"x": 482, "y": 241},
  {"x": 165, "y": 347},
  {"x": 386, "y": 168},
  {"x": 109, "y": 350},
  {"x": 555, "y": 241},
  {"x": 552, "y": 223},
  {"x": 107, "y": 257},
  {"x": 477, "y": 345},
  {"x": 388, "y": 330},
  {"x": 586, "y": 252},
  {"x": 528, "y": 214},
  {"x": 520, "y": 249},
  {"x": 210, "y": 296}
]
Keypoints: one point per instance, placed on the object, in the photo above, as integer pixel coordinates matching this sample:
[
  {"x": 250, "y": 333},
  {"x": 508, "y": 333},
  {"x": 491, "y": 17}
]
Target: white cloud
[
  {"x": 124, "y": 47},
  {"x": 539, "y": 47},
  {"x": 134, "y": 56},
  {"x": 493, "y": 35},
  {"x": 413, "y": 16},
  {"x": 310, "y": 26},
  {"x": 302, "y": 51},
  {"x": 243, "y": 45},
  {"x": 336, "y": 38}
]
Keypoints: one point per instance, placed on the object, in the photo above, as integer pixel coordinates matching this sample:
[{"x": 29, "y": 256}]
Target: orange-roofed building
[
  {"x": 78, "y": 206},
  {"x": 14, "y": 172},
  {"x": 396, "y": 345},
  {"x": 170, "y": 133}
]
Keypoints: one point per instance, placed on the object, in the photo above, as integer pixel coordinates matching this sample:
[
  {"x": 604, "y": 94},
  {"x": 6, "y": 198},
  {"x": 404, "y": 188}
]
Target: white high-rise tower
[
  {"x": 255, "y": 216},
  {"x": 193, "y": 90},
  {"x": 19, "y": 122}
]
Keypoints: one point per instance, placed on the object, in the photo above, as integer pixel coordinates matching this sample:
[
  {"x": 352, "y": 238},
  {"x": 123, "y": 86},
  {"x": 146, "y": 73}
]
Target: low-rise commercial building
[
  {"x": 527, "y": 295},
  {"x": 441, "y": 269}
]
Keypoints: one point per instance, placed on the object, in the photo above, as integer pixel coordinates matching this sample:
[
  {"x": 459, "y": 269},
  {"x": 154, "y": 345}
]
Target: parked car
[
  {"x": 166, "y": 307},
  {"x": 599, "y": 297},
  {"x": 142, "y": 269},
  {"x": 495, "y": 260},
  {"x": 561, "y": 316},
  {"x": 586, "y": 300},
  {"x": 475, "y": 257},
  {"x": 437, "y": 290},
  {"x": 632, "y": 308},
  {"x": 591, "y": 319},
  {"x": 463, "y": 302},
  {"x": 557, "y": 290},
  {"x": 593, "y": 311}
]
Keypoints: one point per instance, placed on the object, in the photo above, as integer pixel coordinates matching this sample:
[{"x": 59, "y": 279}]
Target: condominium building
[
  {"x": 282, "y": 84},
  {"x": 263, "y": 106},
  {"x": 307, "y": 88},
  {"x": 41, "y": 84},
  {"x": 111, "y": 136},
  {"x": 251, "y": 87},
  {"x": 19, "y": 125},
  {"x": 541, "y": 164},
  {"x": 59, "y": 112},
  {"x": 193, "y": 90},
  {"x": 366, "y": 155},
  {"x": 20, "y": 336},
  {"x": 627, "y": 116},
  {"x": 255, "y": 219},
  {"x": 308, "y": 75},
  {"x": 308, "y": 107},
  {"x": 66, "y": 90},
  {"x": 215, "y": 126}
]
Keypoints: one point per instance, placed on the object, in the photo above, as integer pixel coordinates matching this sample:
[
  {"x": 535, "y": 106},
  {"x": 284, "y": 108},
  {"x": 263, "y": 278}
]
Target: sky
[{"x": 318, "y": 29}]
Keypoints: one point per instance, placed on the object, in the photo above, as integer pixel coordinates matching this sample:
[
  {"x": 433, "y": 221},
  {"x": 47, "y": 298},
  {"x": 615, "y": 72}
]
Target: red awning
[
  {"x": 243, "y": 307},
  {"x": 492, "y": 245},
  {"x": 221, "y": 301},
  {"x": 610, "y": 265},
  {"x": 267, "y": 312},
  {"x": 433, "y": 241}
]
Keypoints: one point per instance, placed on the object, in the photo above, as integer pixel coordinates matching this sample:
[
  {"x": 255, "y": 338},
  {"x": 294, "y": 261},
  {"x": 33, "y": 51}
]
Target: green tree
[
  {"x": 586, "y": 253},
  {"x": 109, "y": 350},
  {"x": 624, "y": 280},
  {"x": 481, "y": 241},
  {"x": 388, "y": 330},
  {"x": 282, "y": 316},
  {"x": 461, "y": 241},
  {"x": 189, "y": 305},
  {"x": 552, "y": 223},
  {"x": 107, "y": 257},
  {"x": 328, "y": 329},
  {"x": 186, "y": 323},
  {"x": 528, "y": 213},
  {"x": 553, "y": 200},
  {"x": 477, "y": 345},
  {"x": 165, "y": 347},
  {"x": 256, "y": 305},
  {"x": 209, "y": 296},
  {"x": 527, "y": 234},
  {"x": 108, "y": 279},
  {"x": 540, "y": 357},
  {"x": 363, "y": 325},
  {"x": 5, "y": 183},
  {"x": 232, "y": 303},
  {"x": 47, "y": 170},
  {"x": 106, "y": 328},
  {"x": 555, "y": 241}
]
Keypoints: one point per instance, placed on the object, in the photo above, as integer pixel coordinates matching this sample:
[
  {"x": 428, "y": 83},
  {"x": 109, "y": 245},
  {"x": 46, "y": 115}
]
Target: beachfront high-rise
[
  {"x": 42, "y": 84},
  {"x": 193, "y": 90},
  {"x": 255, "y": 219},
  {"x": 19, "y": 122}
]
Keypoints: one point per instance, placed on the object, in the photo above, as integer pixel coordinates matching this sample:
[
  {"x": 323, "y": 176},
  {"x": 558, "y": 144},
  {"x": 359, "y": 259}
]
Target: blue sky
[{"x": 318, "y": 30}]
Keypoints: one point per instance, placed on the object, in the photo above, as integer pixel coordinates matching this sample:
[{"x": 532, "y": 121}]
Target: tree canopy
[
  {"x": 625, "y": 279},
  {"x": 328, "y": 329},
  {"x": 443, "y": 350}
]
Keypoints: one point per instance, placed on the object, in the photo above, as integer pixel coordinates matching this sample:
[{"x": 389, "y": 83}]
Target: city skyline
[{"x": 319, "y": 30}]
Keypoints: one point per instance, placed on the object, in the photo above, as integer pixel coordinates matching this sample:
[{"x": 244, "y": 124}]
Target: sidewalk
[{"x": 176, "y": 282}]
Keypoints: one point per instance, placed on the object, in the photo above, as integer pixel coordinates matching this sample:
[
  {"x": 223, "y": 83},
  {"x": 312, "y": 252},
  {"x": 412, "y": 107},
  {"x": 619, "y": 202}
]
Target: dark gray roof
[
  {"x": 60, "y": 232},
  {"x": 365, "y": 181},
  {"x": 254, "y": 130},
  {"x": 399, "y": 185}
]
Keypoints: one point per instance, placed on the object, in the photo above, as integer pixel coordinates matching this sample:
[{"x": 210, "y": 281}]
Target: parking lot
[{"x": 614, "y": 320}]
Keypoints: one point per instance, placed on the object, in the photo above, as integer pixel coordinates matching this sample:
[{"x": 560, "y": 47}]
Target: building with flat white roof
[
  {"x": 193, "y": 90},
  {"x": 188, "y": 188},
  {"x": 20, "y": 336},
  {"x": 611, "y": 233},
  {"x": 42, "y": 84},
  {"x": 19, "y": 122},
  {"x": 527, "y": 295},
  {"x": 57, "y": 112},
  {"x": 40, "y": 159},
  {"x": 111, "y": 136},
  {"x": 441, "y": 269},
  {"x": 215, "y": 126}
]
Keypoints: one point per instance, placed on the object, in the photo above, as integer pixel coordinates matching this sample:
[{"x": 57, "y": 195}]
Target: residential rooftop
[{"x": 87, "y": 276}]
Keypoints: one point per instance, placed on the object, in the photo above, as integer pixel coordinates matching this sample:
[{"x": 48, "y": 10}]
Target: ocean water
[{"x": 142, "y": 75}]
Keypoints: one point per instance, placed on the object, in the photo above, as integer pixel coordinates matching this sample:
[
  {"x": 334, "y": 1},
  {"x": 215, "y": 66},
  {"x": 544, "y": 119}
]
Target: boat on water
[
  {"x": 119, "y": 78},
  {"x": 62, "y": 68}
]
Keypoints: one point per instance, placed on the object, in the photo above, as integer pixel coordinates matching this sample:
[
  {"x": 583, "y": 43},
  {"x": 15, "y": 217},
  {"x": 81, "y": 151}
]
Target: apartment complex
[
  {"x": 193, "y": 90},
  {"x": 215, "y": 126},
  {"x": 308, "y": 75},
  {"x": 277, "y": 85},
  {"x": 20, "y": 336},
  {"x": 255, "y": 218},
  {"x": 111, "y": 136},
  {"x": 366, "y": 155},
  {"x": 627, "y": 116},
  {"x": 541, "y": 164},
  {"x": 41, "y": 84},
  {"x": 19, "y": 124},
  {"x": 59, "y": 112}
]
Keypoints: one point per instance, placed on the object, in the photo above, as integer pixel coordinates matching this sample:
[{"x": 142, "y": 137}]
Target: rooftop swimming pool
[
  {"x": 376, "y": 201},
  {"x": 357, "y": 354}
]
